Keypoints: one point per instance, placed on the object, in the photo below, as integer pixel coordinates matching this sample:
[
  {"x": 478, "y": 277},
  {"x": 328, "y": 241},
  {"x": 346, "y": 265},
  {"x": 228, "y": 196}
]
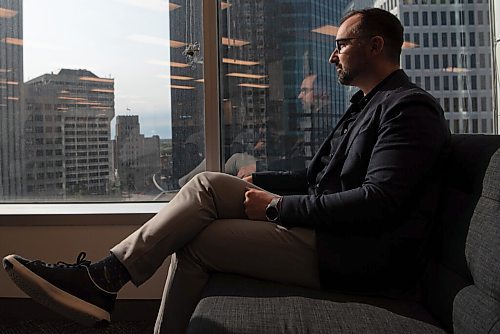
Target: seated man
[{"x": 366, "y": 204}]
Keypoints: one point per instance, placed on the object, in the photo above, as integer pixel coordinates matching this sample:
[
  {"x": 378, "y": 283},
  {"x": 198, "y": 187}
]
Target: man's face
[
  {"x": 307, "y": 94},
  {"x": 353, "y": 60}
]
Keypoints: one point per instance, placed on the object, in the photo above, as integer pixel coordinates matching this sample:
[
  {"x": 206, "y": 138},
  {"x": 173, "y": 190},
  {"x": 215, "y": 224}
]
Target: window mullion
[{"x": 211, "y": 87}]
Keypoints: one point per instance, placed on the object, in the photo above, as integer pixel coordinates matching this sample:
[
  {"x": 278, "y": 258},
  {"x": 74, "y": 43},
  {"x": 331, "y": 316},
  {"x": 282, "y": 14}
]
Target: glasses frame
[{"x": 339, "y": 48}]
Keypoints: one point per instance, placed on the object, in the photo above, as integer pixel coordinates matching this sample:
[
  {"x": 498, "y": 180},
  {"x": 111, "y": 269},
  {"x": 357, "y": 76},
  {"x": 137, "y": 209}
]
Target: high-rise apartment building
[
  {"x": 12, "y": 184},
  {"x": 68, "y": 138},
  {"x": 137, "y": 157},
  {"x": 448, "y": 52}
]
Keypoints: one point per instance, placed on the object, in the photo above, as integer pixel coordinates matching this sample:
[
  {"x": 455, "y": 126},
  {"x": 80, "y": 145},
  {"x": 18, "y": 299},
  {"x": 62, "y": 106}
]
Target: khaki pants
[{"x": 206, "y": 230}]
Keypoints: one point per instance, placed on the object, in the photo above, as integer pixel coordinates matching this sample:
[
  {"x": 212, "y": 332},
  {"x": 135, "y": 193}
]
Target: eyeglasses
[
  {"x": 341, "y": 43},
  {"x": 306, "y": 90}
]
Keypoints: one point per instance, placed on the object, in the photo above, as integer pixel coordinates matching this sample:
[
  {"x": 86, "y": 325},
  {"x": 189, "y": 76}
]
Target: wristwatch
[{"x": 272, "y": 210}]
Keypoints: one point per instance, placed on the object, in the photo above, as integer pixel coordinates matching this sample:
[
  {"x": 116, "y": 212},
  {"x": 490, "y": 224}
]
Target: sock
[{"x": 109, "y": 273}]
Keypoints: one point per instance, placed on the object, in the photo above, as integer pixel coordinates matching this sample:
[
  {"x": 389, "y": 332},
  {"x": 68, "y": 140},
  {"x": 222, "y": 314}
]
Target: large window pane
[
  {"x": 91, "y": 107},
  {"x": 280, "y": 96}
]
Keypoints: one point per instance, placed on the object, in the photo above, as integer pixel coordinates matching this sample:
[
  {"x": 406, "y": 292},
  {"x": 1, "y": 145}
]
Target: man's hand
[
  {"x": 246, "y": 171},
  {"x": 256, "y": 202}
]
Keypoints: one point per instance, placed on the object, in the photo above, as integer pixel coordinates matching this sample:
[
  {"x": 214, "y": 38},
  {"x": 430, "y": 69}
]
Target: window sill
[{"x": 70, "y": 214}]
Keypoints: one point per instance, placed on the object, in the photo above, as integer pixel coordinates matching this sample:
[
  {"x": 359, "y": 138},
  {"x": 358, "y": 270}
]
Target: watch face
[{"x": 272, "y": 213}]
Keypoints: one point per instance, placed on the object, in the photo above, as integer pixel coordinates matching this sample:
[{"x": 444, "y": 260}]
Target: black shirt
[{"x": 358, "y": 103}]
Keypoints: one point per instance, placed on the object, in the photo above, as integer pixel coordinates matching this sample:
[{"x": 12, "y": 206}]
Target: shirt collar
[{"x": 362, "y": 100}]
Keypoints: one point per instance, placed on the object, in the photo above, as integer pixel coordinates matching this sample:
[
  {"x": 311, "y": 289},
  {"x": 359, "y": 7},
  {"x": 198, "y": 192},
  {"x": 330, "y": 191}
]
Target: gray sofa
[{"x": 458, "y": 292}]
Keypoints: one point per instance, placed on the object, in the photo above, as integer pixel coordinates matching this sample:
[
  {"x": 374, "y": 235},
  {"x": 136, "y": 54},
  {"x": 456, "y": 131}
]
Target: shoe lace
[{"x": 80, "y": 261}]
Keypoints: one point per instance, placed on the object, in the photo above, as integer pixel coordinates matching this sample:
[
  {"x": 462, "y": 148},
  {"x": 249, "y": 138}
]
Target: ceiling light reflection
[
  {"x": 246, "y": 75},
  {"x": 93, "y": 79},
  {"x": 176, "y": 44},
  {"x": 102, "y": 90},
  {"x": 12, "y": 41},
  {"x": 172, "y": 6},
  {"x": 409, "y": 45},
  {"x": 253, "y": 85},
  {"x": 175, "y": 64},
  {"x": 239, "y": 62},
  {"x": 456, "y": 69},
  {"x": 234, "y": 42},
  {"x": 327, "y": 30},
  {"x": 7, "y": 13},
  {"x": 181, "y": 77},
  {"x": 181, "y": 87}
]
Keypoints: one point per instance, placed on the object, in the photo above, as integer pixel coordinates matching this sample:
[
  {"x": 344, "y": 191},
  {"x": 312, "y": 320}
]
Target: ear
[{"x": 377, "y": 45}]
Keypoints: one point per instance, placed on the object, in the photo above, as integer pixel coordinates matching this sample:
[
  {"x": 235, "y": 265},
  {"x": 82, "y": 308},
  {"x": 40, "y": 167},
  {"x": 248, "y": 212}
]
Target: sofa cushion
[
  {"x": 463, "y": 173},
  {"x": 476, "y": 308},
  {"x": 234, "y": 304},
  {"x": 482, "y": 248},
  {"x": 227, "y": 314},
  {"x": 475, "y": 312}
]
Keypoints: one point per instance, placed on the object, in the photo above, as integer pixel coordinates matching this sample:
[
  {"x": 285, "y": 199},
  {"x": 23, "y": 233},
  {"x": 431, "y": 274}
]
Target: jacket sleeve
[
  {"x": 282, "y": 183},
  {"x": 409, "y": 140}
]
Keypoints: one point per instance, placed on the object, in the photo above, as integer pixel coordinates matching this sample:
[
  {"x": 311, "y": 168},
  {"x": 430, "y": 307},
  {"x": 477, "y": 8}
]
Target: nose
[{"x": 334, "y": 57}]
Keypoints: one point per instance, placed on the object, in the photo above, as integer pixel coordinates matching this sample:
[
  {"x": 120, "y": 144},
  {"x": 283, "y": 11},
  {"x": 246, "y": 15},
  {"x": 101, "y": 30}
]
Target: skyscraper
[
  {"x": 268, "y": 48},
  {"x": 137, "y": 157},
  {"x": 11, "y": 100},
  {"x": 448, "y": 53},
  {"x": 68, "y": 139}
]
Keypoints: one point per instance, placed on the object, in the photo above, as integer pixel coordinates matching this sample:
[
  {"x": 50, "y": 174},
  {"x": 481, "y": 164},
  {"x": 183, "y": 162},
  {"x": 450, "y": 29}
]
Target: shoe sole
[{"x": 54, "y": 298}]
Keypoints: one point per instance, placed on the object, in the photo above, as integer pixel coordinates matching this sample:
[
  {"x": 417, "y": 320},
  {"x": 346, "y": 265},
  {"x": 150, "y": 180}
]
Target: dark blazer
[{"x": 374, "y": 206}]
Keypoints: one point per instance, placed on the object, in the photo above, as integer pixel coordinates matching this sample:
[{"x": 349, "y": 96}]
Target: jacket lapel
[{"x": 323, "y": 148}]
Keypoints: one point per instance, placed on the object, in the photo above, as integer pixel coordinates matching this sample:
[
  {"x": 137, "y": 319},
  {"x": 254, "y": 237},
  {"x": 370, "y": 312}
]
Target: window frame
[
  {"x": 136, "y": 213},
  {"x": 127, "y": 213}
]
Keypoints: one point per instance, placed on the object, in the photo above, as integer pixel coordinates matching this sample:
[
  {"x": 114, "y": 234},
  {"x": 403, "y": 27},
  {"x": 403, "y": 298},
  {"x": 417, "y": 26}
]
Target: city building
[
  {"x": 137, "y": 158},
  {"x": 262, "y": 70},
  {"x": 448, "y": 52},
  {"x": 68, "y": 139},
  {"x": 12, "y": 183}
]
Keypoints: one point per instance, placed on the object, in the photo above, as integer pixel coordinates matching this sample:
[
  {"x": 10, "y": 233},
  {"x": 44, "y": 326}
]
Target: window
[
  {"x": 408, "y": 62},
  {"x": 444, "y": 39},
  {"x": 427, "y": 83},
  {"x": 417, "y": 62},
  {"x": 415, "y": 19},
  {"x": 434, "y": 18},
  {"x": 435, "y": 42},
  {"x": 471, "y": 17},
  {"x": 427, "y": 62},
  {"x": 435, "y": 61},
  {"x": 452, "y": 19},
  {"x": 453, "y": 39},
  {"x": 148, "y": 114},
  {"x": 406, "y": 18},
  {"x": 443, "y": 18},
  {"x": 425, "y": 18},
  {"x": 425, "y": 37},
  {"x": 445, "y": 61}
]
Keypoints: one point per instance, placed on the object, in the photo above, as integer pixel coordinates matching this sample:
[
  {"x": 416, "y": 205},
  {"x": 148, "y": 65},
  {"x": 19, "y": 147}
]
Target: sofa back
[{"x": 448, "y": 272}]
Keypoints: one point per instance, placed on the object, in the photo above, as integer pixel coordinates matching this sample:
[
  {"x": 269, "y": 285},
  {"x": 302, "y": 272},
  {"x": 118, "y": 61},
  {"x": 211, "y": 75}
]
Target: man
[
  {"x": 363, "y": 206},
  {"x": 318, "y": 114}
]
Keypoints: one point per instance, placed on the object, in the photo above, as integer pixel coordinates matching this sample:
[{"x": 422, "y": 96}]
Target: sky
[{"x": 127, "y": 40}]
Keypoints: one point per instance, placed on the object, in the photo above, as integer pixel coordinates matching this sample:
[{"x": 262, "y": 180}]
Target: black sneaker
[{"x": 64, "y": 288}]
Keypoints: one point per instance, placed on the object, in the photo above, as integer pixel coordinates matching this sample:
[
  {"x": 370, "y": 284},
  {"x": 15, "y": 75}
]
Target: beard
[
  {"x": 357, "y": 67},
  {"x": 346, "y": 76}
]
